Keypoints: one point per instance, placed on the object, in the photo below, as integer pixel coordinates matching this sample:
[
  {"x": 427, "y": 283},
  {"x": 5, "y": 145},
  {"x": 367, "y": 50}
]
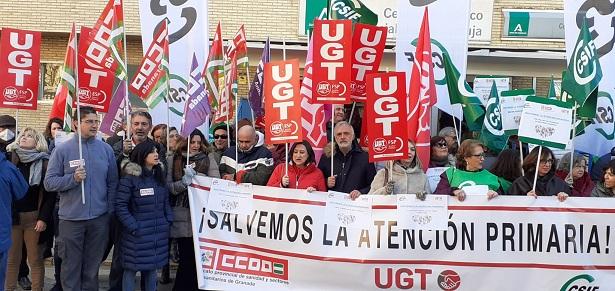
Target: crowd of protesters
[{"x": 130, "y": 195}]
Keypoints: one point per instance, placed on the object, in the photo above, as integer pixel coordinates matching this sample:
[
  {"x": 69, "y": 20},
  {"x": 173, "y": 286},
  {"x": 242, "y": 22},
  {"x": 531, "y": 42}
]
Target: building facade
[{"x": 522, "y": 40}]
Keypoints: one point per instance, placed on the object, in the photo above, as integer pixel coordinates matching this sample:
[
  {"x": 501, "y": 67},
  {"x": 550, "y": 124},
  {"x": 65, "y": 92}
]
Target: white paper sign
[
  {"x": 433, "y": 176},
  {"x": 545, "y": 122},
  {"x": 476, "y": 190},
  {"x": 343, "y": 211},
  {"x": 229, "y": 197},
  {"x": 482, "y": 86},
  {"x": 511, "y": 106},
  {"x": 431, "y": 214}
]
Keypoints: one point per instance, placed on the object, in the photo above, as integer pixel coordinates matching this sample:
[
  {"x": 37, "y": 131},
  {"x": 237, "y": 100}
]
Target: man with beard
[
  {"x": 140, "y": 126},
  {"x": 255, "y": 163},
  {"x": 84, "y": 228},
  {"x": 352, "y": 171}
]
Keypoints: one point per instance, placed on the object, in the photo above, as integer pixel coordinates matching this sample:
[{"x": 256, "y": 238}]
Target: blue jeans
[
  {"x": 3, "y": 261},
  {"x": 128, "y": 280}
]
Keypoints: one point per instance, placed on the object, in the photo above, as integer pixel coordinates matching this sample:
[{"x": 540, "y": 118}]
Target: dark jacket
[
  {"x": 547, "y": 185},
  {"x": 309, "y": 176},
  {"x": 121, "y": 159},
  {"x": 142, "y": 206},
  {"x": 13, "y": 187},
  {"x": 255, "y": 166},
  {"x": 353, "y": 170}
]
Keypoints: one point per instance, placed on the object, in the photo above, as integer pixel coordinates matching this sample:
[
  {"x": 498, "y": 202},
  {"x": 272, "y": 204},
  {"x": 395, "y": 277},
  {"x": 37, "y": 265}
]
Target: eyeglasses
[
  {"x": 442, "y": 144},
  {"x": 481, "y": 155},
  {"x": 549, "y": 161},
  {"x": 220, "y": 136}
]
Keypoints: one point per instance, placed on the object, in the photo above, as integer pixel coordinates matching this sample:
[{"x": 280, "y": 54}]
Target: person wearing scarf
[
  {"x": 582, "y": 184},
  {"x": 33, "y": 213},
  {"x": 407, "y": 177},
  {"x": 179, "y": 176},
  {"x": 548, "y": 184}
]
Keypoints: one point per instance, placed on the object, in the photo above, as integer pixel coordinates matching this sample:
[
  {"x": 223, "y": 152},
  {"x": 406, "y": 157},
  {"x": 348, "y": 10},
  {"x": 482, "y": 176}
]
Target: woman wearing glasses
[
  {"x": 582, "y": 184},
  {"x": 469, "y": 173},
  {"x": 547, "y": 184},
  {"x": 440, "y": 156}
]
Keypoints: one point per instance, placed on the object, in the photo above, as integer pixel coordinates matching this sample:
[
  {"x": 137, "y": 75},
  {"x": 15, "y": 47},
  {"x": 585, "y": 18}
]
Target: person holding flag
[
  {"x": 253, "y": 164},
  {"x": 302, "y": 170},
  {"x": 84, "y": 228},
  {"x": 547, "y": 183}
]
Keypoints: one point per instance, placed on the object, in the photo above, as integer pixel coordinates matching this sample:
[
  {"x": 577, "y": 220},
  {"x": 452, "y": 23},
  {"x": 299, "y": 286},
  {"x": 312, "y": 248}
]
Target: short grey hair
[
  {"x": 447, "y": 131},
  {"x": 343, "y": 123},
  {"x": 564, "y": 162}
]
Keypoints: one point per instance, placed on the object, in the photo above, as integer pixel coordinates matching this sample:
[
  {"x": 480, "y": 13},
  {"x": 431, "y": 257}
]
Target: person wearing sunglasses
[
  {"x": 469, "y": 172},
  {"x": 582, "y": 184},
  {"x": 440, "y": 156},
  {"x": 547, "y": 184},
  {"x": 220, "y": 143}
]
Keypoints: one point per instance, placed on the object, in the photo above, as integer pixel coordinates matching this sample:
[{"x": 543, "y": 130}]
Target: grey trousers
[{"x": 81, "y": 245}]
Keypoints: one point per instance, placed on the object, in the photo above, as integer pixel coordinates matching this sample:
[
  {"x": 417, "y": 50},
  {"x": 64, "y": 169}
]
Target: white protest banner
[
  {"x": 433, "y": 176},
  {"x": 511, "y": 106},
  {"x": 546, "y": 122},
  {"x": 488, "y": 245},
  {"x": 341, "y": 210},
  {"x": 482, "y": 86},
  {"x": 599, "y": 137},
  {"x": 431, "y": 214},
  {"x": 188, "y": 27},
  {"x": 448, "y": 35}
]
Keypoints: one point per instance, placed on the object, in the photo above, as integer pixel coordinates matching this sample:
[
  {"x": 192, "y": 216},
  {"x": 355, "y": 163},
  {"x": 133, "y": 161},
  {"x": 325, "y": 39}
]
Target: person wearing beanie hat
[{"x": 142, "y": 206}]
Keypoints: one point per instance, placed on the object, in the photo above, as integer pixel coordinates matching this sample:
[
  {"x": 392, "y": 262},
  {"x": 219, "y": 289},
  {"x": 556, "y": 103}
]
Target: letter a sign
[
  {"x": 386, "y": 114},
  {"x": 332, "y": 61},
  {"x": 282, "y": 102},
  {"x": 20, "y": 62}
]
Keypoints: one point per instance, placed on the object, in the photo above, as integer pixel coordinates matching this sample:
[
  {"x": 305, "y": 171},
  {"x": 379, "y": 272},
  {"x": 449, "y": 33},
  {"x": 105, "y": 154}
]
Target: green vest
[
  {"x": 505, "y": 184},
  {"x": 460, "y": 178}
]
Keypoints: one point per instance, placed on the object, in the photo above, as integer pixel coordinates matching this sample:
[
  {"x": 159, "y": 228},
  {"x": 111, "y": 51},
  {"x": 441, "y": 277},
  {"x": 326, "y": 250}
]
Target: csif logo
[
  {"x": 585, "y": 66},
  {"x": 584, "y": 282}
]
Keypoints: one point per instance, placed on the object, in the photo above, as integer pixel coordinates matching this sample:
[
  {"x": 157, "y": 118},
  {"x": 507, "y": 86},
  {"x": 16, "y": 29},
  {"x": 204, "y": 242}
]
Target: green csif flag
[
  {"x": 460, "y": 93},
  {"x": 492, "y": 135},
  {"x": 354, "y": 10},
  {"x": 581, "y": 79}
]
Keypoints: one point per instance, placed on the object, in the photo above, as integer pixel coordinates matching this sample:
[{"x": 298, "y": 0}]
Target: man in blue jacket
[
  {"x": 84, "y": 227},
  {"x": 13, "y": 187}
]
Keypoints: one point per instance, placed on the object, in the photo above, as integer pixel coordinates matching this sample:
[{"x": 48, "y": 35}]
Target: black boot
[{"x": 165, "y": 276}]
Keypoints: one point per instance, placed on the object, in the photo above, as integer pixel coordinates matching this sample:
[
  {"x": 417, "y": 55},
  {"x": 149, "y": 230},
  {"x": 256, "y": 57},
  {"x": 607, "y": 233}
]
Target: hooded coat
[
  {"x": 353, "y": 170},
  {"x": 410, "y": 180},
  {"x": 142, "y": 206}
]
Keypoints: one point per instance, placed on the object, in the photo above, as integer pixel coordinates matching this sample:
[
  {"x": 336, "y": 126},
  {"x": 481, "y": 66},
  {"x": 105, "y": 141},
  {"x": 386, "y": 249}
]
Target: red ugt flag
[
  {"x": 422, "y": 94},
  {"x": 20, "y": 62}
]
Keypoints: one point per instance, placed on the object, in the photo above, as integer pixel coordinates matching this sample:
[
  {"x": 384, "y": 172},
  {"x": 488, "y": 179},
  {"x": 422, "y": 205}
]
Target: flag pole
[
  {"x": 332, "y": 136},
  {"x": 537, "y": 167},
  {"x": 127, "y": 106},
  {"x": 285, "y": 144},
  {"x": 17, "y": 122},
  {"x": 569, "y": 178},
  {"x": 168, "y": 99},
  {"x": 354, "y": 105},
  {"x": 187, "y": 151},
  {"x": 236, "y": 117},
  {"x": 457, "y": 132},
  {"x": 521, "y": 156},
  {"x": 79, "y": 136}
]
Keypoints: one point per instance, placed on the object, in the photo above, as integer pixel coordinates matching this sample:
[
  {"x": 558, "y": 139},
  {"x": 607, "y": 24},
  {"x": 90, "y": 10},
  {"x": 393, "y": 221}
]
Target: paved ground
[{"x": 103, "y": 277}]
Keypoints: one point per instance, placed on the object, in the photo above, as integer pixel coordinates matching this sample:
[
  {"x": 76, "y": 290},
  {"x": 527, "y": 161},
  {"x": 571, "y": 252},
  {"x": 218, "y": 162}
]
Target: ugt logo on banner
[
  {"x": 95, "y": 82},
  {"x": 20, "y": 59},
  {"x": 386, "y": 110},
  {"x": 332, "y": 61},
  {"x": 368, "y": 44},
  {"x": 282, "y": 102}
]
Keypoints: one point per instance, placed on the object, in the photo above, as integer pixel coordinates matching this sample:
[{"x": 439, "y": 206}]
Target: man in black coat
[{"x": 352, "y": 171}]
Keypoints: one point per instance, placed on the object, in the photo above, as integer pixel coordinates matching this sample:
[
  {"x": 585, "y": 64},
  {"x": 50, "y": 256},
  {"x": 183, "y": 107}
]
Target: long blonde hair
[{"x": 41, "y": 143}]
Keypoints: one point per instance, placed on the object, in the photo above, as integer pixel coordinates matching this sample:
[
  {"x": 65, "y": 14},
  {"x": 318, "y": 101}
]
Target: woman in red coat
[{"x": 302, "y": 171}]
